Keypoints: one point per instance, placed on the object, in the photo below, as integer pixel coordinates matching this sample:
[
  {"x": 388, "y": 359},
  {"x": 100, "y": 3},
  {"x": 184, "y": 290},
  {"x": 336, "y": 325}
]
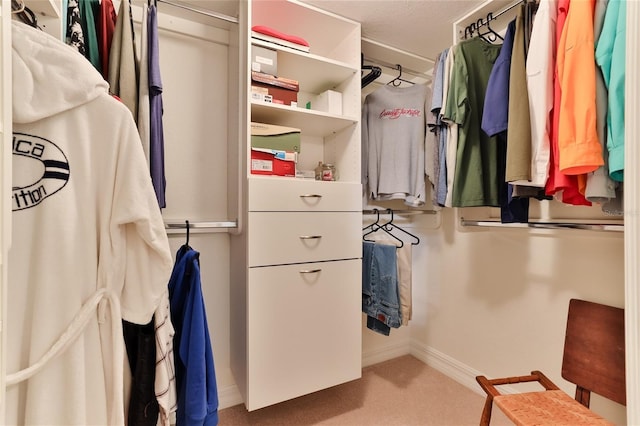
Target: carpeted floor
[{"x": 401, "y": 391}]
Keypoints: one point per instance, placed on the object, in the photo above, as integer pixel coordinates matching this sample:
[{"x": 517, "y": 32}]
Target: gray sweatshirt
[{"x": 393, "y": 144}]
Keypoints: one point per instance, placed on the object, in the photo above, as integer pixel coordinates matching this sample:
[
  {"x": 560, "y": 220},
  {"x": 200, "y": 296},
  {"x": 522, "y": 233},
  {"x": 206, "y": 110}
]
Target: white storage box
[{"x": 328, "y": 101}]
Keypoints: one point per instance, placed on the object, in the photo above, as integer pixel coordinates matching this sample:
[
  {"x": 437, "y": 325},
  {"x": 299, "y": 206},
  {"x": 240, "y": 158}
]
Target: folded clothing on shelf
[{"x": 265, "y": 33}]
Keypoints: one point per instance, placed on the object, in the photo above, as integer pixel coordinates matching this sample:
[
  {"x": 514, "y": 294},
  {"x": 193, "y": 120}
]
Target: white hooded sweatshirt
[{"x": 89, "y": 247}]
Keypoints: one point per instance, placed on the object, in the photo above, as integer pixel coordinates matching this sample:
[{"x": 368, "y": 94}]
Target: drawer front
[
  {"x": 291, "y": 237},
  {"x": 273, "y": 194},
  {"x": 304, "y": 329}
]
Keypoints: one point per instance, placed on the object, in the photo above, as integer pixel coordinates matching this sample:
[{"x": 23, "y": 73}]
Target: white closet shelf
[
  {"x": 45, "y": 7},
  {"x": 310, "y": 122},
  {"x": 587, "y": 226},
  {"x": 319, "y": 74}
]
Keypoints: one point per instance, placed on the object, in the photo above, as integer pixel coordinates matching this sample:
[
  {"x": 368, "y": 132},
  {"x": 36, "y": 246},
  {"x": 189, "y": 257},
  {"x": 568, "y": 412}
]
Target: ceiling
[{"x": 418, "y": 27}]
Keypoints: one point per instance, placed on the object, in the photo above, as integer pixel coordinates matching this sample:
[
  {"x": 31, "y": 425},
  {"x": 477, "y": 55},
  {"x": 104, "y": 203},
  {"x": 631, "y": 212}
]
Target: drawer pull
[
  {"x": 310, "y": 237},
  {"x": 311, "y": 196},
  {"x": 310, "y": 271}
]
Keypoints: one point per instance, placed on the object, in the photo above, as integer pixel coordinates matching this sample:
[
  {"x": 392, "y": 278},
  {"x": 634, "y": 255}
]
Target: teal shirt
[
  {"x": 610, "y": 52},
  {"x": 89, "y": 9}
]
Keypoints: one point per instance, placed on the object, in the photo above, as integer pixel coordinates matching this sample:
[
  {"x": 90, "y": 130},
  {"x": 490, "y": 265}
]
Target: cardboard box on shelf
[
  {"x": 264, "y": 60},
  {"x": 278, "y": 81},
  {"x": 279, "y": 95}
]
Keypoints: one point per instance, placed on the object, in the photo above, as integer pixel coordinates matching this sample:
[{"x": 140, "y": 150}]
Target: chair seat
[{"x": 552, "y": 407}]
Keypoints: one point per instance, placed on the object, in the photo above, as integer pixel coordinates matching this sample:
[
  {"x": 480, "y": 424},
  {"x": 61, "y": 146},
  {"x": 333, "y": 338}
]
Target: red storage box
[{"x": 264, "y": 163}]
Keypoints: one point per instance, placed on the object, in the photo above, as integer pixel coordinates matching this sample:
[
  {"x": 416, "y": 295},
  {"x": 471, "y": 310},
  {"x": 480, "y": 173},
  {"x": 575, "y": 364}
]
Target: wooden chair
[{"x": 593, "y": 360}]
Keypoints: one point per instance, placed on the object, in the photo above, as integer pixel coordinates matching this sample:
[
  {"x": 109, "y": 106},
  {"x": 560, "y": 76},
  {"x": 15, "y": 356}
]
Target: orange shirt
[
  {"x": 558, "y": 181},
  {"x": 579, "y": 148}
]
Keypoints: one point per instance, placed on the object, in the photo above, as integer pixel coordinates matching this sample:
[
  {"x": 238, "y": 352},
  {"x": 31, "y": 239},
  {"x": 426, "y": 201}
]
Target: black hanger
[
  {"x": 399, "y": 80},
  {"x": 374, "y": 223},
  {"x": 390, "y": 226},
  {"x": 374, "y": 72},
  {"x": 375, "y": 226},
  {"x": 186, "y": 223},
  {"x": 469, "y": 30},
  {"x": 26, "y": 15},
  {"x": 490, "y": 35}
]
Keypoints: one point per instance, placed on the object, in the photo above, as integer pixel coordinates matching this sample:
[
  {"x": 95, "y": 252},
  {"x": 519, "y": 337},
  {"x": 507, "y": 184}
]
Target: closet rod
[
  {"x": 395, "y": 67},
  {"x": 611, "y": 227},
  {"x": 385, "y": 211},
  {"x": 210, "y": 13},
  {"x": 200, "y": 225},
  {"x": 503, "y": 11}
]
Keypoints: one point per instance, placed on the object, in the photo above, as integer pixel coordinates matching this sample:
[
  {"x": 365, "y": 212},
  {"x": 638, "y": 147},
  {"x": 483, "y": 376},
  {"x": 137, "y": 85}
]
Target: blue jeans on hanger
[{"x": 380, "y": 300}]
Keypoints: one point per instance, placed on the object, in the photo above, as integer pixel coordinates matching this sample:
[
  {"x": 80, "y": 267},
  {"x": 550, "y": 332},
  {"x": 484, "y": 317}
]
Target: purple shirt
[
  {"x": 156, "y": 134},
  {"x": 495, "y": 114}
]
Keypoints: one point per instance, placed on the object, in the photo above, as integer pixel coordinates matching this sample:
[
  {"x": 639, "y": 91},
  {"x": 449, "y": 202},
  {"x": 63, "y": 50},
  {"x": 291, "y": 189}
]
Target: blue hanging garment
[{"x": 195, "y": 373}]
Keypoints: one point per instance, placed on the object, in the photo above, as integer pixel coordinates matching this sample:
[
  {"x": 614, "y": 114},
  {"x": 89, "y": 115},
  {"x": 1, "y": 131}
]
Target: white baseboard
[
  {"x": 448, "y": 366},
  {"x": 387, "y": 352},
  {"x": 452, "y": 368},
  {"x": 229, "y": 396}
]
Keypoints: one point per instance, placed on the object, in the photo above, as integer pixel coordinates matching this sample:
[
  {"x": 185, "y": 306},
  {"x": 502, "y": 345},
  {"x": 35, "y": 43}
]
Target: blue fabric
[
  {"x": 495, "y": 114},
  {"x": 156, "y": 130},
  {"x": 195, "y": 374},
  {"x": 495, "y": 119},
  {"x": 380, "y": 299}
]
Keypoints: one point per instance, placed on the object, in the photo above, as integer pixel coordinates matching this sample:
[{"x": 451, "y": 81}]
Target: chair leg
[{"x": 486, "y": 412}]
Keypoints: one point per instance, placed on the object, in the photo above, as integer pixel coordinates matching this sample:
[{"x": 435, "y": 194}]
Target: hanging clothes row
[
  {"x": 551, "y": 138},
  {"x": 89, "y": 28},
  {"x": 106, "y": 39}
]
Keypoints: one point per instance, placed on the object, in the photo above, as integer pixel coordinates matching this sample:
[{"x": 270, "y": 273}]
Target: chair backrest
[{"x": 594, "y": 351}]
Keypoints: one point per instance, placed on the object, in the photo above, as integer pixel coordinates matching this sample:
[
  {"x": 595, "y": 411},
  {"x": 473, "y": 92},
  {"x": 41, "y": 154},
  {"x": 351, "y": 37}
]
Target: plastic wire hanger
[
  {"x": 26, "y": 15},
  {"x": 376, "y": 226},
  {"x": 17, "y": 6},
  {"x": 374, "y": 223},
  {"x": 374, "y": 72},
  {"x": 390, "y": 226},
  {"x": 490, "y": 35},
  {"x": 399, "y": 80}
]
